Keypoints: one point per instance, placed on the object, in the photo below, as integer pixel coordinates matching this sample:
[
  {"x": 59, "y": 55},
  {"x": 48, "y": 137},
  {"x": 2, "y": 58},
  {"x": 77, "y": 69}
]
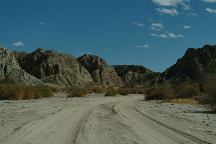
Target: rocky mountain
[
  {"x": 133, "y": 75},
  {"x": 10, "y": 70},
  {"x": 42, "y": 66},
  {"x": 53, "y": 67},
  {"x": 100, "y": 71},
  {"x": 196, "y": 65}
]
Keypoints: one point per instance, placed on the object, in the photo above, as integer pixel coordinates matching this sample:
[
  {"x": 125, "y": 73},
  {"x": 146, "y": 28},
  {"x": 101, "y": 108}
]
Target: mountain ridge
[{"x": 48, "y": 66}]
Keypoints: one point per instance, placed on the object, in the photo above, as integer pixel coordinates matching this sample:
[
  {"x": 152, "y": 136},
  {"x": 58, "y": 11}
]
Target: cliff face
[
  {"x": 53, "y": 67},
  {"x": 100, "y": 71},
  {"x": 10, "y": 70},
  {"x": 133, "y": 75},
  {"x": 196, "y": 65}
]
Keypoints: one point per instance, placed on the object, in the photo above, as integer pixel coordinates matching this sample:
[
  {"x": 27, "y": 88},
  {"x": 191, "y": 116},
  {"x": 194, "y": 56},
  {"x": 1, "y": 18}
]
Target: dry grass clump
[
  {"x": 97, "y": 89},
  {"x": 159, "y": 92},
  {"x": 110, "y": 91},
  {"x": 140, "y": 90},
  {"x": 187, "y": 101},
  {"x": 187, "y": 90},
  {"x": 124, "y": 91},
  {"x": 77, "y": 92},
  {"x": 20, "y": 92}
]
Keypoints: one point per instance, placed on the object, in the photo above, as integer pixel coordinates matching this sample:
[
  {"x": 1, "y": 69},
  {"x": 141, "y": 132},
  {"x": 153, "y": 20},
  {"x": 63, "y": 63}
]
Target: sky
[{"x": 152, "y": 33}]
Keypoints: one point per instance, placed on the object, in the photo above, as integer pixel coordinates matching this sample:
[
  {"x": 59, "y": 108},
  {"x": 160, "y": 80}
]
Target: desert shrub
[
  {"x": 210, "y": 90},
  {"x": 19, "y": 92},
  {"x": 139, "y": 90},
  {"x": 77, "y": 92},
  {"x": 97, "y": 89},
  {"x": 187, "y": 90},
  {"x": 110, "y": 91},
  {"x": 159, "y": 92},
  {"x": 124, "y": 91}
]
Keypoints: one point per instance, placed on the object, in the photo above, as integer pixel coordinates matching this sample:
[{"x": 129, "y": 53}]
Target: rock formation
[
  {"x": 196, "y": 65},
  {"x": 133, "y": 75},
  {"x": 10, "y": 70},
  {"x": 53, "y": 67},
  {"x": 100, "y": 71}
]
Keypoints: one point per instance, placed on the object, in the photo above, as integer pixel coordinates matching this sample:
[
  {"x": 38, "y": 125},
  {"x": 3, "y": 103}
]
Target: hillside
[{"x": 196, "y": 65}]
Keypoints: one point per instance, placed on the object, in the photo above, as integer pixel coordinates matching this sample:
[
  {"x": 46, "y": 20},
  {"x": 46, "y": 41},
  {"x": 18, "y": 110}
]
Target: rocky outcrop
[
  {"x": 133, "y": 75},
  {"x": 11, "y": 71},
  {"x": 196, "y": 65},
  {"x": 56, "y": 68},
  {"x": 100, "y": 71}
]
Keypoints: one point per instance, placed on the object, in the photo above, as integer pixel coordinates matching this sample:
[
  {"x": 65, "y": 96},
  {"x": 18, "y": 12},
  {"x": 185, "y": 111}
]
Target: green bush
[{"x": 159, "y": 93}]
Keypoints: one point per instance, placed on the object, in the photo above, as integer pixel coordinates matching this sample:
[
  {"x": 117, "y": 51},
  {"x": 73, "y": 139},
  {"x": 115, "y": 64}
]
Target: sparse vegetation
[
  {"x": 140, "y": 90},
  {"x": 97, "y": 89},
  {"x": 124, "y": 91},
  {"x": 77, "y": 92},
  {"x": 210, "y": 90},
  {"x": 111, "y": 91},
  {"x": 159, "y": 92},
  {"x": 187, "y": 90},
  {"x": 20, "y": 92},
  {"x": 188, "y": 101}
]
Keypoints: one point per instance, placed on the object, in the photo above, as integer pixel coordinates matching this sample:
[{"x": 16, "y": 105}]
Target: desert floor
[{"x": 96, "y": 119}]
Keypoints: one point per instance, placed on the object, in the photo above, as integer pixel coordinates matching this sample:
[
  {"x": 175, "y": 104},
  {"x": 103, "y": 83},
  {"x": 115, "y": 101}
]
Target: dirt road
[{"x": 99, "y": 120}]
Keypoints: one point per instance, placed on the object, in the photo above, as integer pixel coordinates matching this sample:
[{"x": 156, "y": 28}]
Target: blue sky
[{"x": 153, "y": 33}]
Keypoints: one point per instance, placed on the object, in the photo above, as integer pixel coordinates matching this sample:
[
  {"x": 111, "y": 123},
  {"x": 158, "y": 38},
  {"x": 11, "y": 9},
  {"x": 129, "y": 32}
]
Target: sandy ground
[{"x": 104, "y": 120}]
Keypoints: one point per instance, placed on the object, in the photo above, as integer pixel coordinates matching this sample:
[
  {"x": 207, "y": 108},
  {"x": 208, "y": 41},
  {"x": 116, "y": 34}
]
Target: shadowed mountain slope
[
  {"x": 133, "y": 75},
  {"x": 196, "y": 65}
]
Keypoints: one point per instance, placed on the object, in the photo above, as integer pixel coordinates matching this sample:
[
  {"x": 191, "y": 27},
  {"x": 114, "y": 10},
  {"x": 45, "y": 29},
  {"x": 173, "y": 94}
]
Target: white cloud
[
  {"x": 211, "y": 10},
  {"x": 173, "y": 3},
  {"x": 209, "y": 1},
  {"x": 157, "y": 26},
  {"x": 139, "y": 24},
  {"x": 172, "y": 12},
  {"x": 142, "y": 46},
  {"x": 168, "y": 35},
  {"x": 186, "y": 27},
  {"x": 19, "y": 44}
]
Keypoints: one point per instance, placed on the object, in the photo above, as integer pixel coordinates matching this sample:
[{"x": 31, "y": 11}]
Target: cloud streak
[
  {"x": 157, "y": 26},
  {"x": 186, "y": 27},
  {"x": 167, "y": 36},
  {"x": 173, "y": 3},
  {"x": 139, "y": 24},
  {"x": 171, "y": 12},
  {"x": 142, "y": 46},
  {"x": 210, "y": 10}
]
